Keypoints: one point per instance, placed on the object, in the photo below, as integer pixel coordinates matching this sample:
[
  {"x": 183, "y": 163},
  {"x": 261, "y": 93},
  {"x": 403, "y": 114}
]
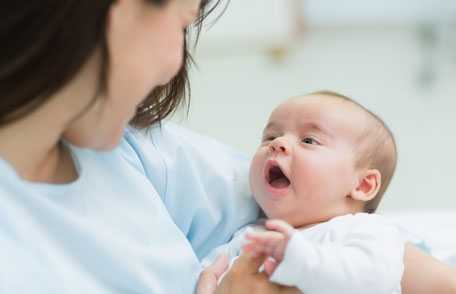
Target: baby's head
[{"x": 322, "y": 155}]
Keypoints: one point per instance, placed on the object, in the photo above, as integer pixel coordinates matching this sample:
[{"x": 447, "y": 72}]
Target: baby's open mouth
[{"x": 276, "y": 178}]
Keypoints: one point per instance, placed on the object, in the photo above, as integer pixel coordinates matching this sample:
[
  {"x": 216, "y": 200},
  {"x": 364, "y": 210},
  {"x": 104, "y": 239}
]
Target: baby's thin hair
[{"x": 377, "y": 149}]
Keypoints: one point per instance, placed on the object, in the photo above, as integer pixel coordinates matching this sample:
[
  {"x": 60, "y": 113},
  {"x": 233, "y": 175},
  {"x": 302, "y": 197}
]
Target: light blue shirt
[{"x": 137, "y": 220}]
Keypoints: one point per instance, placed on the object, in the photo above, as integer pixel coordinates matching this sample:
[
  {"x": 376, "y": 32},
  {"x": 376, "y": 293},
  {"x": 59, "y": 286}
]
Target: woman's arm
[{"x": 424, "y": 274}]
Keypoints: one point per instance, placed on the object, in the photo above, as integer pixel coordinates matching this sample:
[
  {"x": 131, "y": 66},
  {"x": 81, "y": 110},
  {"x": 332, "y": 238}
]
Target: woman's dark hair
[{"x": 45, "y": 43}]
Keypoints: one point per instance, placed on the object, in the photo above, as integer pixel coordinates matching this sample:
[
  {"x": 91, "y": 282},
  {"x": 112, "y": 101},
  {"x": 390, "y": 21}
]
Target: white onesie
[{"x": 356, "y": 253}]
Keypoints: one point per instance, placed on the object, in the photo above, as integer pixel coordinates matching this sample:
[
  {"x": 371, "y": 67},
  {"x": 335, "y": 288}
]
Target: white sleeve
[{"x": 368, "y": 259}]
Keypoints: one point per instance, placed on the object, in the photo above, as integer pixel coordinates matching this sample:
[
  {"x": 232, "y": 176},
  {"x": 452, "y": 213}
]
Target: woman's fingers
[
  {"x": 220, "y": 265},
  {"x": 207, "y": 282},
  {"x": 244, "y": 278},
  {"x": 248, "y": 264}
]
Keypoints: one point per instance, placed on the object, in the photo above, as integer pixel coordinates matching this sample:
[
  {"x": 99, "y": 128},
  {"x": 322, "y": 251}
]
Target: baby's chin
[
  {"x": 274, "y": 214},
  {"x": 294, "y": 221}
]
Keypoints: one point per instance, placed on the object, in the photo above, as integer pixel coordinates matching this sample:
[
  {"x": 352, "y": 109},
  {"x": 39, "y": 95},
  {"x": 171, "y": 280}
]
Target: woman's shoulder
[
  {"x": 175, "y": 145},
  {"x": 171, "y": 136},
  {"x": 183, "y": 158}
]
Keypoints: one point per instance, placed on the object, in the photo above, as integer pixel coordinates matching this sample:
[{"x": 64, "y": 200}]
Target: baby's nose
[{"x": 279, "y": 145}]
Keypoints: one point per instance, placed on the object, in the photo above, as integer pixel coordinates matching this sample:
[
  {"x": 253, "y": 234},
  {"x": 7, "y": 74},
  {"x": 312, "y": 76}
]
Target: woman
[{"x": 87, "y": 206}]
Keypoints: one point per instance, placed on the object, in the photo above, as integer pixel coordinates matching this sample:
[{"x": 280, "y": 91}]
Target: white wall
[
  {"x": 368, "y": 12},
  {"x": 232, "y": 95},
  {"x": 270, "y": 18}
]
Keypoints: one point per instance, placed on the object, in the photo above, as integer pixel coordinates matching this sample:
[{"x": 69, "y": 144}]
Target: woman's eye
[{"x": 310, "y": 141}]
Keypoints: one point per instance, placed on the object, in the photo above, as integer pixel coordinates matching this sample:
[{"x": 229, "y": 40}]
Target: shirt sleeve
[
  {"x": 368, "y": 259},
  {"x": 203, "y": 183}
]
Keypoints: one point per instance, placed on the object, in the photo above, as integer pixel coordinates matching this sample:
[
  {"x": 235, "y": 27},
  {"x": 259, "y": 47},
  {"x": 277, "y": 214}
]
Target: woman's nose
[{"x": 279, "y": 145}]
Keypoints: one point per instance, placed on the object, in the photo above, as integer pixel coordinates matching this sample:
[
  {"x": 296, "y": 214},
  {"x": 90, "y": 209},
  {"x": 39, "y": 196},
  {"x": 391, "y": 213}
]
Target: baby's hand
[{"x": 270, "y": 243}]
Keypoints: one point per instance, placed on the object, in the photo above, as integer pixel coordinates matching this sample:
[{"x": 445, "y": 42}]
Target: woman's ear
[{"x": 368, "y": 185}]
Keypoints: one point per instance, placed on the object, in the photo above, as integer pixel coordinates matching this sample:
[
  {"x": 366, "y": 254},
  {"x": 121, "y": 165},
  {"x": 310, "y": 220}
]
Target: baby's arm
[{"x": 369, "y": 259}]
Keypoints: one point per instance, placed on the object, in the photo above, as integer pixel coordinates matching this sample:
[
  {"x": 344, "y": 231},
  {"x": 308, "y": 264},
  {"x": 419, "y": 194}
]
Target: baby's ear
[{"x": 368, "y": 185}]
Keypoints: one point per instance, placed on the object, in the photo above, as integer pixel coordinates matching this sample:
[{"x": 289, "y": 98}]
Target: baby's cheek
[{"x": 255, "y": 172}]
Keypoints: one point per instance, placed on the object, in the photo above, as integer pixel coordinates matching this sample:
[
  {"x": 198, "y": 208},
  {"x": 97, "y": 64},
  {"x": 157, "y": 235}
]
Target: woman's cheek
[{"x": 171, "y": 58}]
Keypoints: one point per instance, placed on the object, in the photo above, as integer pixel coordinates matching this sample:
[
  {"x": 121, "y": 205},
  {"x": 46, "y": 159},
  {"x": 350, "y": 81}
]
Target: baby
[{"x": 320, "y": 172}]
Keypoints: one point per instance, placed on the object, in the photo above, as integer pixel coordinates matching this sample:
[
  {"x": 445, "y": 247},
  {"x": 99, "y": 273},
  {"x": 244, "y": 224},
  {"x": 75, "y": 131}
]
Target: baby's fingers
[
  {"x": 270, "y": 264},
  {"x": 280, "y": 226},
  {"x": 255, "y": 250},
  {"x": 263, "y": 242},
  {"x": 265, "y": 238}
]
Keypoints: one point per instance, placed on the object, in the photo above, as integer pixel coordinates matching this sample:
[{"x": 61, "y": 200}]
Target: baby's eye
[
  {"x": 268, "y": 138},
  {"x": 310, "y": 141}
]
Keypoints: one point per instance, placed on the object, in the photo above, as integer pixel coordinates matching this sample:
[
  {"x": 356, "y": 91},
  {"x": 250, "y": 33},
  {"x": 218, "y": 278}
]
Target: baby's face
[{"x": 305, "y": 167}]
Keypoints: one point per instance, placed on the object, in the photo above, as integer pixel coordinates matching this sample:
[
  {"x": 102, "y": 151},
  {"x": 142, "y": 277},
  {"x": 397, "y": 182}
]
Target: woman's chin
[
  {"x": 111, "y": 142},
  {"x": 101, "y": 142}
]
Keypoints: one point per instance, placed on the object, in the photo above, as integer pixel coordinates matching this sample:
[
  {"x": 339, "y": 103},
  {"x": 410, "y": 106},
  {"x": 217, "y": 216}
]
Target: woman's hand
[
  {"x": 243, "y": 277},
  {"x": 208, "y": 279}
]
